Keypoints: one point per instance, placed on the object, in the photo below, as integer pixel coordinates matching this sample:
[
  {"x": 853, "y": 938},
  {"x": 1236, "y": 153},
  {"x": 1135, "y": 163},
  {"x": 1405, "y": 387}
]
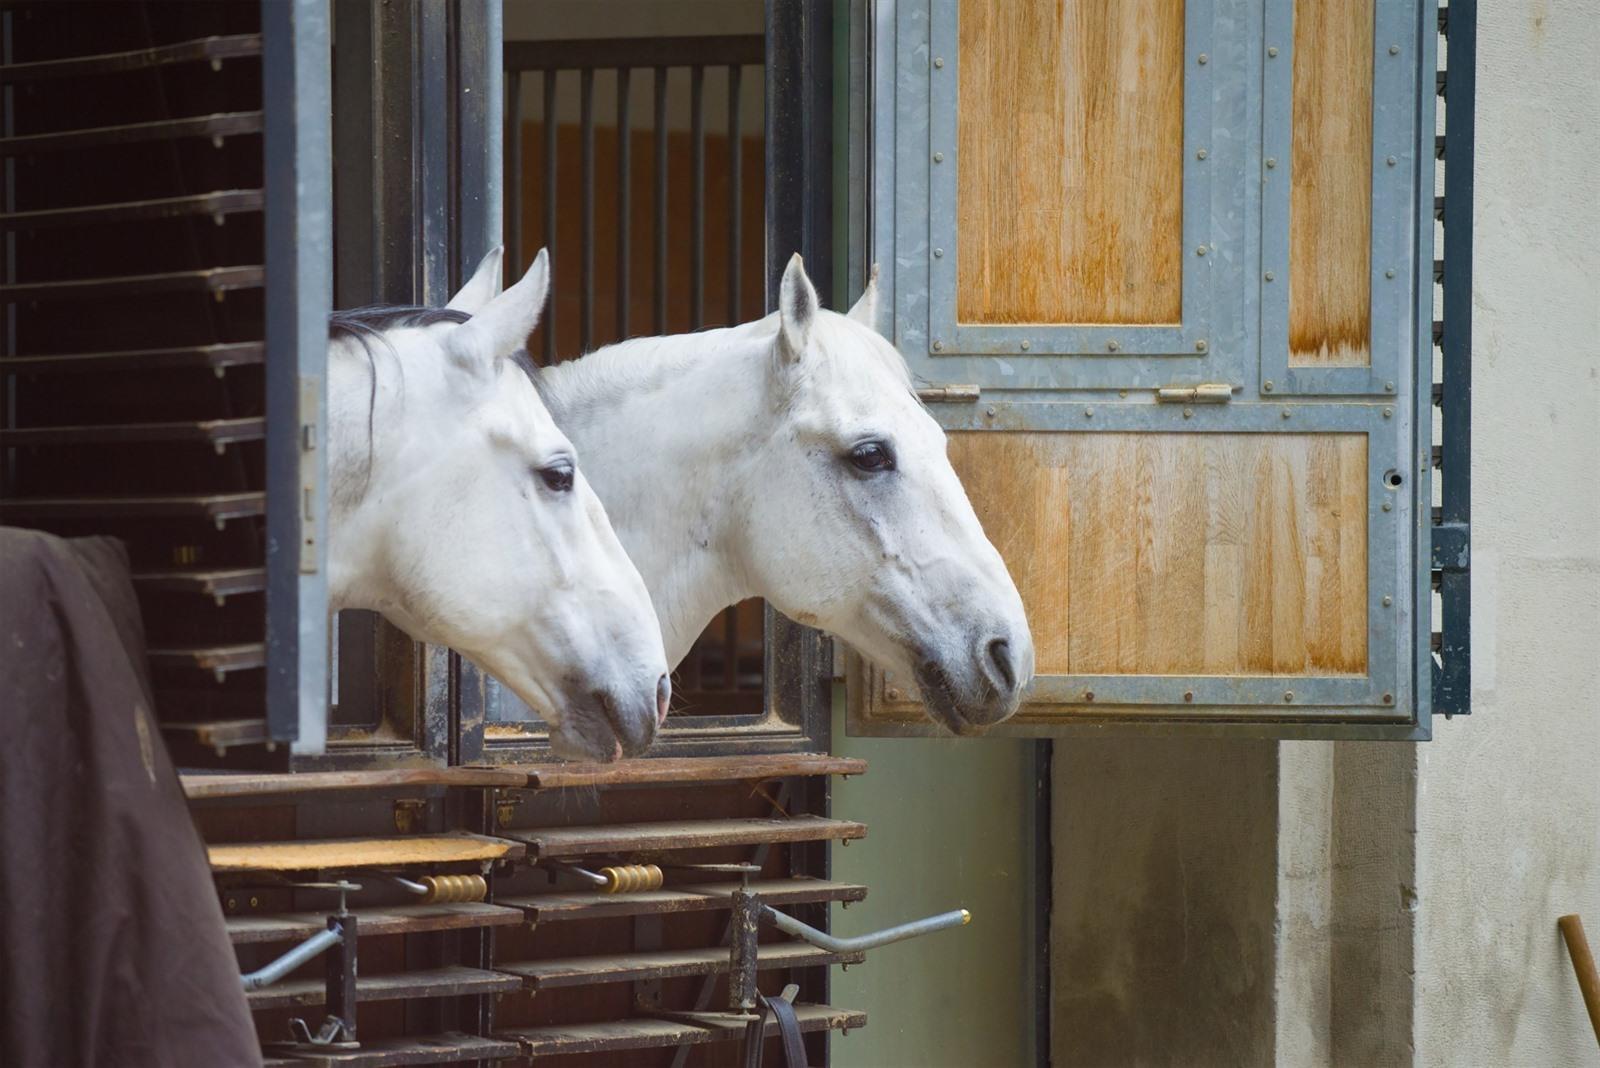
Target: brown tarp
[{"x": 112, "y": 946}]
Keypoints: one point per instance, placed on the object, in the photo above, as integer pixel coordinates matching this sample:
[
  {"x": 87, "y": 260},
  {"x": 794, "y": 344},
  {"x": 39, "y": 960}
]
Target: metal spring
[
  {"x": 627, "y": 878},
  {"x": 451, "y": 889}
]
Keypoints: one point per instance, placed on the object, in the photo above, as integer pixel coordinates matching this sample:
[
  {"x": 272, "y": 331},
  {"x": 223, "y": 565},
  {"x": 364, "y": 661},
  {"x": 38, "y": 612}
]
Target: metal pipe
[
  {"x": 550, "y": 182},
  {"x": 513, "y": 173},
  {"x": 735, "y": 234},
  {"x": 409, "y": 885},
  {"x": 872, "y": 940},
  {"x": 660, "y": 176},
  {"x": 697, "y": 203},
  {"x": 586, "y": 202},
  {"x": 624, "y": 195},
  {"x": 271, "y": 973}
]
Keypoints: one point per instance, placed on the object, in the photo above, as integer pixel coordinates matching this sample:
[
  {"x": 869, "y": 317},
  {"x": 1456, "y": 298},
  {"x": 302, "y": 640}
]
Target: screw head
[
  {"x": 1188, "y": 695},
  {"x": 1387, "y": 600},
  {"x": 938, "y": 253},
  {"x": 892, "y": 694},
  {"x": 1266, "y": 387},
  {"x": 233, "y": 903},
  {"x": 1391, "y": 161},
  {"x": 1088, "y": 413},
  {"x": 1394, "y": 50},
  {"x": 1269, "y": 276},
  {"x": 1188, "y": 413},
  {"x": 1388, "y": 413},
  {"x": 1088, "y": 695},
  {"x": 1272, "y": 161},
  {"x": 1388, "y": 698},
  {"x": 938, "y": 61},
  {"x": 1388, "y": 506},
  {"x": 1389, "y": 273},
  {"x": 1388, "y": 387},
  {"x": 1272, "y": 53},
  {"x": 938, "y": 346},
  {"x": 989, "y": 411},
  {"x": 1201, "y": 154},
  {"x": 1288, "y": 695},
  {"x": 1202, "y": 59},
  {"x": 1201, "y": 251},
  {"x": 1201, "y": 346},
  {"x": 1285, "y": 413},
  {"x": 938, "y": 157},
  {"x": 1026, "y": 344},
  {"x": 1113, "y": 345}
]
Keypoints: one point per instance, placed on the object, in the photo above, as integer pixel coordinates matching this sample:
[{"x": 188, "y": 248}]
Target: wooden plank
[
  {"x": 203, "y": 787},
  {"x": 687, "y": 897},
  {"x": 1175, "y": 554},
  {"x": 613, "y": 1036},
  {"x": 454, "y": 981},
  {"x": 680, "y": 834},
  {"x": 393, "y": 919},
  {"x": 313, "y": 855},
  {"x": 655, "y": 771},
  {"x": 664, "y": 964},
  {"x": 1330, "y": 185},
  {"x": 452, "y": 1047},
  {"x": 1070, "y": 161}
]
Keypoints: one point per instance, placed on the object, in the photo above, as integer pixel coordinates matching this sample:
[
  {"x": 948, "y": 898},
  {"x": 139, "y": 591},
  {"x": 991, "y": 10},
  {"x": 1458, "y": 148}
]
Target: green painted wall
[{"x": 950, "y": 824}]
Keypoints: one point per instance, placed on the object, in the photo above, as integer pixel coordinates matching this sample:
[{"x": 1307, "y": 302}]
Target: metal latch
[
  {"x": 948, "y": 394},
  {"x": 1205, "y": 393}
]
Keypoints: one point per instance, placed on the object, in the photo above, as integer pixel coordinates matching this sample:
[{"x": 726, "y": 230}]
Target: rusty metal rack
[{"x": 534, "y": 908}]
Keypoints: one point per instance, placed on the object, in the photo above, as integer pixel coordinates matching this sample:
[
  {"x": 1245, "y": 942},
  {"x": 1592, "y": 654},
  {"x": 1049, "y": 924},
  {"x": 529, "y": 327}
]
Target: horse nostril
[
  {"x": 663, "y": 699},
  {"x": 1000, "y": 657}
]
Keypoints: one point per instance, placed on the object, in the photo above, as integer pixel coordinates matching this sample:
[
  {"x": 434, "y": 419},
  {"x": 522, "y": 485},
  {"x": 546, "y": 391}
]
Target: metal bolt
[
  {"x": 989, "y": 411},
  {"x": 1394, "y": 50},
  {"x": 1188, "y": 695},
  {"x": 938, "y": 157},
  {"x": 1188, "y": 413},
  {"x": 1388, "y": 698},
  {"x": 1088, "y": 695},
  {"x": 1284, "y": 413},
  {"x": 1391, "y": 161},
  {"x": 232, "y": 904},
  {"x": 892, "y": 694},
  {"x": 1388, "y": 387},
  {"x": 1288, "y": 695},
  {"x": 1272, "y": 161},
  {"x": 1266, "y": 387},
  {"x": 1272, "y": 53},
  {"x": 1201, "y": 251},
  {"x": 255, "y": 902},
  {"x": 938, "y": 346},
  {"x": 1113, "y": 345},
  {"x": 1088, "y": 413},
  {"x": 938, "y": 253},
  {"x": 1389, "y": 273},
  {"x": 1202, "y": 59},
  {"x": 1200, "y": 346},
  {"x": 1388, "y": 506},
  {"x": 1388, "y": 413},
  {"x": 1201, "y": 154},
  {"x": 1026, "y": 345},
  {"x": 1387, "y": 600},
  {"x": 1269, "y": 276},
  {"x": 938, "y": 61}
]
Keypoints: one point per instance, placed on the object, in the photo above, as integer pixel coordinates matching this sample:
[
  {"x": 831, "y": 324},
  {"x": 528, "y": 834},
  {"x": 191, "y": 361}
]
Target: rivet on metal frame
[
  {"x": 938, "y": 346},
  {"x": 1387, "y": 600},
  {"x": 1088, "y": 413},
  {"x": 1113, "y": 345},
  {"x": 1394, "y": 50},
  {"x": 1389, "y": 273},
  {"x": 1269, "y": 276},
  {"x": 1201, "y": 251},
  {"x": 1388, "y": 506},
  {"x": 1286, "y": 413},
  {"x": 1272, "y": 53},
  {"x": 1388, "y": 387},
  {"x": 1188, "y": 413},
  {"x": 1266, "y": 387},
  {"x": 1201, "y": 346},
  {"x": 989, "y": 411},
  {"x": 1272, "y": 161},
  {"x": 1201, "y": 154},
  {"x": 1388, "y": 698},
  {"x": 1026, "y": 344},
  {"x": 1391, "y": 161},
  {"x": 1188, "y": 695},
  {"x": 1388, "y": 413},
  {"x": 1202, "y": 59},
  {"x": 892, "y": 694},
  {"x": 1088, "y": 695},
  {"x": 1288, "y": 695},
  {"x": 938, "y": 61},
  {"x": 938, "y": 157},
  {"x": 938, "y": 253}
]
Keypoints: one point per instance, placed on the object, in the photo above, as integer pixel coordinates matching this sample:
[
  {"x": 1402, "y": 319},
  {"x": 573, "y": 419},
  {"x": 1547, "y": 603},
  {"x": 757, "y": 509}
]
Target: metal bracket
[
  {"x": 948, "y": 394},
  {"x": 1205, "y": 393}
]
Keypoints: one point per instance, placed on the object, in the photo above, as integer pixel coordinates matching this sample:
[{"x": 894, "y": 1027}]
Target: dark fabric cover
[{"x": 112, "y": 946}]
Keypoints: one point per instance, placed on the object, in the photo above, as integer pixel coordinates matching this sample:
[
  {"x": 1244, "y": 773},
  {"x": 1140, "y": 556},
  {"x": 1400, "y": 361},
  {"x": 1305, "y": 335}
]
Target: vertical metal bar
[
  {"x": 730, "y": 648},
  {"x": 513, "y": 173},
  {"x": 297, "y": 79},
  {"x": 1453, "y": 694},
  {"x": 697, "y": 187},
  {"x": 624, "y": 195},
  {"x": 547, "y": 322},
  {"x": 586, "y": 251},
  {"x": 735, "y": 190},
  {"x": 660, "y": 319},
  {"x": 341, "y": 963},
  {"x": 434, "y": 73}
]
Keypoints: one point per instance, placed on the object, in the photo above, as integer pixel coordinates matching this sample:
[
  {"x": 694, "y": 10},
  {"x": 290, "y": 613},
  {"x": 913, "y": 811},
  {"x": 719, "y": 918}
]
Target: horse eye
[
  {"x": 558, "y": 476},
  {"x": 872, "y": 456}
]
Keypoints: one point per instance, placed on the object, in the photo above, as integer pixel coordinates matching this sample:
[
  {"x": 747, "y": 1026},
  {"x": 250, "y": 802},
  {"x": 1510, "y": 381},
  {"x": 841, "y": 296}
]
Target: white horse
[
  {"x": 790, "y": 459},
  {"x": 459, "y": 513}
]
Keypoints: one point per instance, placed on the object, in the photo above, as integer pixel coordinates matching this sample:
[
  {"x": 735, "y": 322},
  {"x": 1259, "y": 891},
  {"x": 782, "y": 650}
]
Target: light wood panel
[
  {"x": 1070, "y": 182},
  {"x": 1330, "y": 193},
  {"x": 1180, "y": 554}
]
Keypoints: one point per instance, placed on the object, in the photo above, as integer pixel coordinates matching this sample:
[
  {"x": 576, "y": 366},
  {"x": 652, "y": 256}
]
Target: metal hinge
[
  {"x": 948, "y": 394},
  {"x": 311, "y": 388},
  {"x": 1205, "y": 393}
]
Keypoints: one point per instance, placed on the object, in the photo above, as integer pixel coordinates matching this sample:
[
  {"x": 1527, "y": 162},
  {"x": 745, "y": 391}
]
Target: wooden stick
[{"x": 1583, "y": 964}]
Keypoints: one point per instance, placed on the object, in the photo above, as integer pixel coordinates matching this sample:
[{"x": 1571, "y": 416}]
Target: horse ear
[
  {"x": 865, "y": 311},
  {"x": 797, "y": 308},
  {"x": 482, "y": 286},
  {"x": 503, "y": 325}
]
